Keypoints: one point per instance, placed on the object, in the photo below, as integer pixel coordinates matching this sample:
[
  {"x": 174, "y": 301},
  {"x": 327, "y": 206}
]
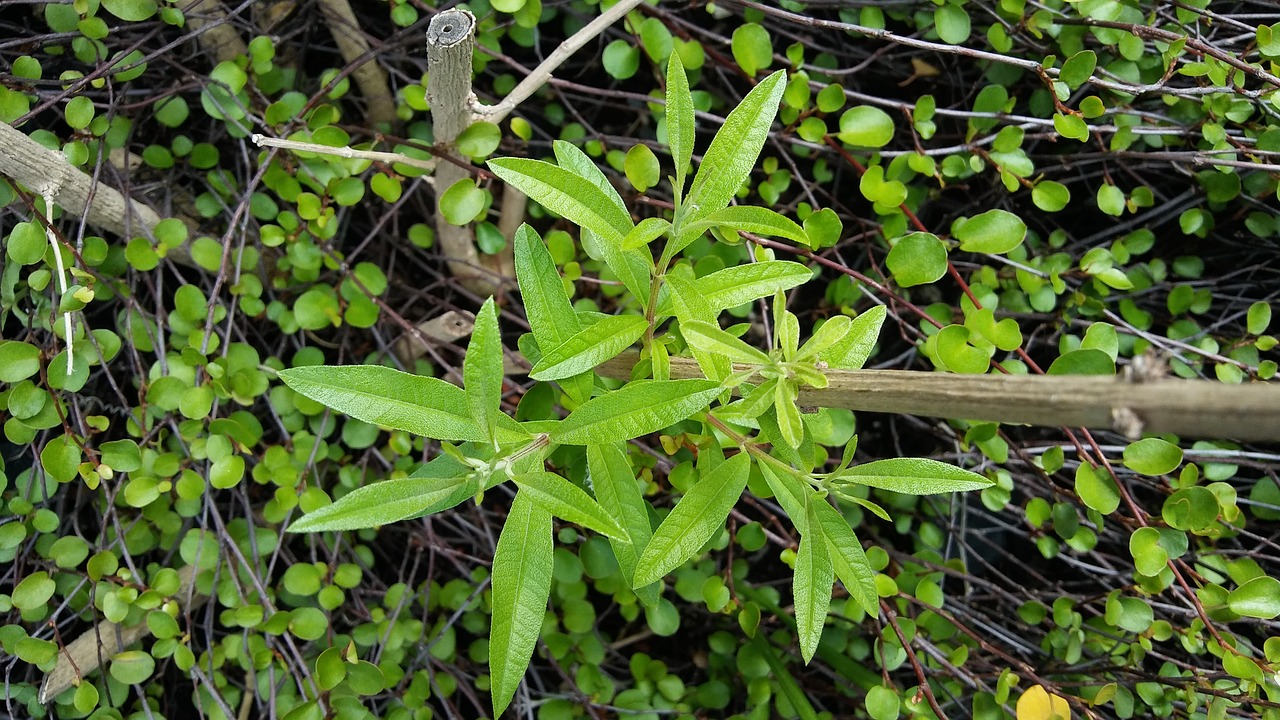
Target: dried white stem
[
  {"x": 542, "y": 73},
  {"x": 345, "y": 152},
  {"x": 47, "y": 193}
]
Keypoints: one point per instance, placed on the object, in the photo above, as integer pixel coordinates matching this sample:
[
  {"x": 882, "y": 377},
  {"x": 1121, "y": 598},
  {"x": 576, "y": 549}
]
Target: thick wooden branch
[
  {"x": 450, "y": 44},
  {"x": 48, "y": 173},
  {"x": 368, "y": 74},
  {"x": 1189, "y": 408}
]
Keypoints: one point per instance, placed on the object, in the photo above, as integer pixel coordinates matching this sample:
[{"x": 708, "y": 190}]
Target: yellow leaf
[
  {"x": 920, "y": 68},
  {"x": 1039, "y": 704}
]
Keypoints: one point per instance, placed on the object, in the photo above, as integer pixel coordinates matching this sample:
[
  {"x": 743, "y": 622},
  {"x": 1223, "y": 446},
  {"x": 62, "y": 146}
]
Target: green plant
[{"x": 762, "y": 429}]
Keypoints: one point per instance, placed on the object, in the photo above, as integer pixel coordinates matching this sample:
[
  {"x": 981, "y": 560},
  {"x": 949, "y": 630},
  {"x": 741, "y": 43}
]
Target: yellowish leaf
[{"x": 1039, "y": 704}]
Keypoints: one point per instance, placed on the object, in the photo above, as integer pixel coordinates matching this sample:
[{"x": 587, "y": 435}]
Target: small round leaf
[{"x": 917, "y": 259}]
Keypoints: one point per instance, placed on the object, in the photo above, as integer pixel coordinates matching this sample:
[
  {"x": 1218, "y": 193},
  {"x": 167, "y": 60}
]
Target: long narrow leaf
[
  {"x": 814, "y": 577},
  {"x": 746, "y": 218},
  {"x": 913, "y": 476},
  {"x": 710, "y": 338},
  {"x": 424, "y": 406},
  {"x": 852, "y": 351},
  {"x": 699, "y": 515},
  {"x": 546, "y": 304},
  {"x": 571, "y": 158},
  {"x": 734, "y": 150},
  {"x": 636, "y": 409},
  {"x": 569, "y": 502},
  {"x": 789, "y": 493},
  {"x": 688, "y": 305},
  {"x": 567, "y": 194},
  {"x": 832, "y": 331},
  {"x": 848, "y": 558},
  {"x": 521, "y": 586},
  {"x": 386, "y": 502},
  {"x": 616, "y": 489},
  {"x": 590, "y": 347},
  {"x": 633, "y": 267},
  {"x": 742, "y": 284},
  {"x": 645, "y": 232},
  {"x": 784, "y": 404},
  {"x": 482, "y": 369},
  {"x": 680, "y": 130}
]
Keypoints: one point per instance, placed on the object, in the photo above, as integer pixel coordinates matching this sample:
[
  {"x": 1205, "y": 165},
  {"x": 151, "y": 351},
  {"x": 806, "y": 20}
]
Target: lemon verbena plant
[{"x": 744, "y": 406}]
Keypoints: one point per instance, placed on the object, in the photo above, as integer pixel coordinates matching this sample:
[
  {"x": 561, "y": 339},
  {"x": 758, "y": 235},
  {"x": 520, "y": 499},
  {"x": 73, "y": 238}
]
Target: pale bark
[
  {"x": 367, "y": 73},
  {"x": 1188, "y": 408}
]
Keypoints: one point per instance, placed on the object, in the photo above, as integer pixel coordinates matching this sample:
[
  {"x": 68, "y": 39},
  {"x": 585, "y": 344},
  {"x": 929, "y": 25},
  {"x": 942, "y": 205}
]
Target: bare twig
[{"x": 541, "y": 74}]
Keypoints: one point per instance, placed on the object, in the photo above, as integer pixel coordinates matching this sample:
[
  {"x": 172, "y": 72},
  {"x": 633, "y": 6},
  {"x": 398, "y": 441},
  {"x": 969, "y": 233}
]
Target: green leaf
[
  {"x": 480, "y": 139},
  {"x": 1050, "y": 196},
  {"x": 641, "y": 167},
  {"x": 1073, "y": 127},
  {"x": 865, "y": 126},
  {"x": 746, "y": 218},
  {"x": 689, "y": 305},
  {"x": 616, "y": 489},
  {"x": 18, "y": 361},
  {"x": 699, "y": 515},
  {"x": 994, "y": 231},
  {"x": 952, "y": 24},
  {"x": 1152, "y": 456},
  {"x": 913, "y": 476},
  {"x": 1259, "y": 317},
  {"x": 522, "y": 568},
  {"x": 789, "y": 493},
  {"x": 645, "y": 232},
  {"x": 710, "y": 338},
  {"x": 1088, "y": 361},
  {"x": 621, "y": 59},
  {"x": 1078, "y": 68},
  {"x": 482, "y": 369},
  {"x": 79, "y": 112},
  {"x": 680, "y": 128},
  {"x": 735, "y": 148},
  {"x": 424, "y": 406},
  {"x": 848, "y": 557},
  {"x": 752, "y": 48},
  {"x": 132, "y": 667},
  {"x": 569, "y": 502},
  {"x": 917, "y": 259},
  {"x": 1149, "y": 557},
  {"x": 956, "y": 353},
  {"x": 567, "y": 194},
  {"x": 438, "y": 485},
  {"x": 1096, "y": 489},
  {"x": 784, "y": 404},
  {"x": 546, "y": 304},
  {"x": 851, "y": 351},
  {"x": 832, "y": 331},
  {"x": 742, "y": 284},
  {"x": 823, "y": 228},
  {"x": 131, "y": 10},
  {"x": 462, "y": 202},
  {"x": 34, "y": 591},
  {"x": 589, "y": 347},
  {"x": 636, "y": 409},
  {"x": 572, "y": 158},
  {"x": 1192, "y": 508},
  {"x": 883, "y": 703},
  {"x": 1257, "y": 598},
  {"x": 814, "y": 576}
]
